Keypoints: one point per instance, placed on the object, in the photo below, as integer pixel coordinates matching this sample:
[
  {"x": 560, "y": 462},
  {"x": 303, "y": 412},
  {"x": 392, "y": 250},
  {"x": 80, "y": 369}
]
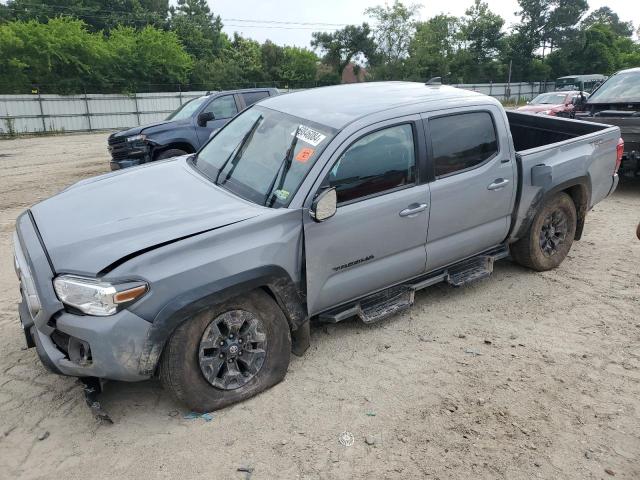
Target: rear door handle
[
  {"x": 498, "y": 183},
  {"x": 413, "y": 209}
]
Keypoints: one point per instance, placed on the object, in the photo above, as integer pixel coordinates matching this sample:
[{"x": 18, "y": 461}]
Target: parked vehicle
[
  {"x": 320, "y": 205},
  {"x": 184, "y": 131},
  {"x": 617, "y": 102},
  {"x": 560, "y": 104},
  {"x": 583, "y": 83}
]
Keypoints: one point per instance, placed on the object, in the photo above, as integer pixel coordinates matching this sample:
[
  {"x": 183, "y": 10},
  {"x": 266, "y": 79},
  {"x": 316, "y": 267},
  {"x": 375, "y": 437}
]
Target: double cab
[{"x": 318, "y": 206}]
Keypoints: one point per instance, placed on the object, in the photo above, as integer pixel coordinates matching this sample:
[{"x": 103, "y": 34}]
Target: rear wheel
[
  {"x": 172, "y": 152},
  {"x": 227, "y": 353},
  {"x": 550, "y": 235}
]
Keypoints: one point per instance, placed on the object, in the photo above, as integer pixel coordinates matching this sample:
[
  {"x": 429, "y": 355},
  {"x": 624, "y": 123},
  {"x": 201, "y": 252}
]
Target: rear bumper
[{"x": 614, "y": 185}]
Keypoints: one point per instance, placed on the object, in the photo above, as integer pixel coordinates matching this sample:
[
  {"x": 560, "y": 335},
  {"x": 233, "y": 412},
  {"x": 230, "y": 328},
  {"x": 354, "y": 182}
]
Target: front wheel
[
  {"x": 550, "y": 236},
  {"x": 172, "y": 152},
  {"x": 227, "y": 353}
]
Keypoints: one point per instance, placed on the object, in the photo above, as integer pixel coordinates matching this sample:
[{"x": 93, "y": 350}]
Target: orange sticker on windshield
[{"x": 304, "y": 155}]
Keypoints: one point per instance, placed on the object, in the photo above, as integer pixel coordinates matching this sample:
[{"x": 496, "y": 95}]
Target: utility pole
[{"x": 509, "y": 81}]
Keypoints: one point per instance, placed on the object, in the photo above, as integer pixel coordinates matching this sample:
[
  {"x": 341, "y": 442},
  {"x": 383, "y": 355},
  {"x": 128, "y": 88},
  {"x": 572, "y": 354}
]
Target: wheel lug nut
[
  {"x": 231, "y": 336},
  {"x": 222, "y": 355},
  {"x": 230, "y": 360},
  {"x": 222, "y": 344},
  {"x": 240, "y": 352},
  {"x": 239, "y": 340}
]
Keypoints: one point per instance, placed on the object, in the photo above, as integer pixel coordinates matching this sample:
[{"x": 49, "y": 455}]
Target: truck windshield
[
  {"x": 620, "y": 88},
  {"x": 188, "y": 109},
  {"x": 549, "y": 99},
  {"x": 263, "y": 155}
]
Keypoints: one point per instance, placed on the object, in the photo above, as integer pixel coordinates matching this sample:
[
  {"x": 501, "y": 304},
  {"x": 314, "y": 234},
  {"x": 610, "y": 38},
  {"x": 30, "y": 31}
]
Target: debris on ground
[
  {"x": 207, "y": 417},
  {"x": 371, "y": 414},
  {"x": 370, "y": 440},
  {"x": 608, "y": 471},
  {"x": 472, "y": 352},
  {"x": 43, "y": 435}
]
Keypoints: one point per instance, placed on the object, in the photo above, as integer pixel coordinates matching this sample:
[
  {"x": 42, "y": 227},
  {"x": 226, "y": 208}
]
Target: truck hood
[
  {"x": 98, "y": 222},
  {"x": 150, "y": 128}
]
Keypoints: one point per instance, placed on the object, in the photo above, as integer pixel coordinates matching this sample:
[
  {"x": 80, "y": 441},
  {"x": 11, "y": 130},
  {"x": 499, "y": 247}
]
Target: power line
[{"x": 98, "y": 14}]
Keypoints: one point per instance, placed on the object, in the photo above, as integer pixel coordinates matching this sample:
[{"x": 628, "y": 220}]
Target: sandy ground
[{"x": 524, "y": 375}]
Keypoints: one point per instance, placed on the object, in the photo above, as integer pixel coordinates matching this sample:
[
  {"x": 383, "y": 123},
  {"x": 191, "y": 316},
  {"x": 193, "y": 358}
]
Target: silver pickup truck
[{"x": 320, "y": 205}]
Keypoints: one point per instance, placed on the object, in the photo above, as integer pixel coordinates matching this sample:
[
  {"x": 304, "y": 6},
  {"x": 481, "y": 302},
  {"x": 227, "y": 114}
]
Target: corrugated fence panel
[{"x": 37, "y": 113}]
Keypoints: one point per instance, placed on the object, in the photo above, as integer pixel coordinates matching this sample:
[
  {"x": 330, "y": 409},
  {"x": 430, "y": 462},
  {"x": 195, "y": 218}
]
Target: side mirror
[
  {"x": 205, "y": 117},
  {"x": 324, "y": 205}
]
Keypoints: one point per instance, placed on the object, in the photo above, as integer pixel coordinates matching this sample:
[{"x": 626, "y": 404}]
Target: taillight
[{"x": 619, "y": 152}]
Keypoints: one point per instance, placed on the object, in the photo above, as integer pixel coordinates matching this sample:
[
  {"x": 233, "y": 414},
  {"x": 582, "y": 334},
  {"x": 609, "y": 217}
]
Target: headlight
[
  {"x": 95, "y": 297},
  {"x": 137, "y": 138}
]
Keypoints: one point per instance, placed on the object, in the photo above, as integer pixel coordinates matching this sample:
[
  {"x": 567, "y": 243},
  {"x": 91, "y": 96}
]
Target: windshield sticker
[
  {"x": 281, "y": 194},
  {"x": 309, "y": 135},
  {"x": 304, "y": 155}
]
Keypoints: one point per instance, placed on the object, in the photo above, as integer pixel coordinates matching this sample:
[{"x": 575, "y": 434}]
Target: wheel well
[
  {"x": 580, "y": 196},
  {"x": 186, "y": 147}
]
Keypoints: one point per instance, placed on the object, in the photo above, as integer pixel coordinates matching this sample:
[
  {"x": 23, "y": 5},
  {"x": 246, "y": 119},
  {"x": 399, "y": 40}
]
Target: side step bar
[{"x": 386, "y": 303}]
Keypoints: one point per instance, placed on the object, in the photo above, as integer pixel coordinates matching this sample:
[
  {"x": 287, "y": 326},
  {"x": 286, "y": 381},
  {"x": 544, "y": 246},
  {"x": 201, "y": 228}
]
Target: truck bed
[{"x": 557, "y": 152}]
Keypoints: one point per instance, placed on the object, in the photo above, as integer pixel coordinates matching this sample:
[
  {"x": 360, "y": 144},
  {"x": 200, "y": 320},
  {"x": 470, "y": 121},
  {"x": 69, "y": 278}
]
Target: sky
[{"x": 237, "y": 14}]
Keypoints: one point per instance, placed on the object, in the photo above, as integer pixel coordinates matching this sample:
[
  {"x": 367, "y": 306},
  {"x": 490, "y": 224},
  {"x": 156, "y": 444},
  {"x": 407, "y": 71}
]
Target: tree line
[{"x": 71, "y": 46}]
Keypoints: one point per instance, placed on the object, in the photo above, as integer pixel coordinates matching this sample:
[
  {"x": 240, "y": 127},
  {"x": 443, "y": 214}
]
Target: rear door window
[
  {"x": 462, "y": 141},
  {"x": 252, "y": 97}
]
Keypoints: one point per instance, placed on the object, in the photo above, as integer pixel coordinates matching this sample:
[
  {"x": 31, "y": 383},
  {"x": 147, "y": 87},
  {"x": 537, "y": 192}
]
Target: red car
[{"x": 553, "y": 103}]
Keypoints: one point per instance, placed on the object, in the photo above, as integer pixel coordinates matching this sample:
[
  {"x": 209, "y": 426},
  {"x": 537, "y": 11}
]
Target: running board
[{"x": 384, "y": 304}]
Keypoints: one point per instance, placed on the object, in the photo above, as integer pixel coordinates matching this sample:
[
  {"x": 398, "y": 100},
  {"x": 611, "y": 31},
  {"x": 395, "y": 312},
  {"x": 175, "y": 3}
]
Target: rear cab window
[
  {"x": 461, "y": 141},
  {"x": 252, "y": 97}
]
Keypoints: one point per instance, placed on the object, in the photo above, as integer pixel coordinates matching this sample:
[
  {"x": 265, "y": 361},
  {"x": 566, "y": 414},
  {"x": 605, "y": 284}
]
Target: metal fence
[{"x": 41, "y": 113}]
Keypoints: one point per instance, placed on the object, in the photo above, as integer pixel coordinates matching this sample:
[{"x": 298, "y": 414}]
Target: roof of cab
[{"x": 339, "y": 105}]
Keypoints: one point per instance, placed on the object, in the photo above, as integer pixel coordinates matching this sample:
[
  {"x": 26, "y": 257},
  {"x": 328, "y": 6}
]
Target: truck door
[
  {"x": 473, "y": 190},
  {"x": 377, "y": 236},
  {"x": 223, "y": 108}
]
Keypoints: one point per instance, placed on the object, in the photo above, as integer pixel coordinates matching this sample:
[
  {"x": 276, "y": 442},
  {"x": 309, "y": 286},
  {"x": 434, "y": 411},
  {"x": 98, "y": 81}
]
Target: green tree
[
  {"x": 481, "y": 33},
  {"x": 343, "y": 46},
  {"x": 606, "y": 16},
  {"x": 62, "y": 56},
  {"x": 272, "y": 59},
  {"x": 298, "y": 67},
  {"x": 149, "y": 57},
  {"x": 198, "y": 28},
  {"x": 96, "y": 14},
  {"x": 393, "y": 29},
  {"x": 433, "y": 46}
]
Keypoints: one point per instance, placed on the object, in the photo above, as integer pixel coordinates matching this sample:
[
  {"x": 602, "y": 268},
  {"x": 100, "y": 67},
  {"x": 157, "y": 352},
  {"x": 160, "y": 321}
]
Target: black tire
[
  {"x": 180, "y": 367},
  {"x": 172, "y": 152},
  {"x": 550, "y": 236}
]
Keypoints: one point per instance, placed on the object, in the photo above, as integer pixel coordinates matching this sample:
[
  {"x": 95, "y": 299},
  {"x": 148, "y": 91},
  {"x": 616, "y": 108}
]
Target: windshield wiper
[
  {"x": 286, "y": 163},
  {"x": 237, "y": 152}
]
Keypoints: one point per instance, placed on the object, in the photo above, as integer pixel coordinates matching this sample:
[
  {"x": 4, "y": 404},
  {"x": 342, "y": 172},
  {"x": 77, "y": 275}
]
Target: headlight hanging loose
[
  {"x": 95, "y": 297},
  {"x": 137, "y": 138}
]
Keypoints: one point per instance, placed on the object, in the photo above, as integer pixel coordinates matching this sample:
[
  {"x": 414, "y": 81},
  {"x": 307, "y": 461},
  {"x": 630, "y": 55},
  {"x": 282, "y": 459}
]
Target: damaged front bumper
[{"x": 69, "y": 343}]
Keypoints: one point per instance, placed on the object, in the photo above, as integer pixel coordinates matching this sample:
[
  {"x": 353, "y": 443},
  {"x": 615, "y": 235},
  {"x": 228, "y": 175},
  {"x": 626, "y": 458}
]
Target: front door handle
[
  {"x": 413, "y": 209},
  {"x": 498, "y": 183}
]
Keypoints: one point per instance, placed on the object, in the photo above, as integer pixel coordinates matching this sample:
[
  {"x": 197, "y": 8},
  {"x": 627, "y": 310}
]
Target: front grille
[{"x": 119, "y": 148}]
